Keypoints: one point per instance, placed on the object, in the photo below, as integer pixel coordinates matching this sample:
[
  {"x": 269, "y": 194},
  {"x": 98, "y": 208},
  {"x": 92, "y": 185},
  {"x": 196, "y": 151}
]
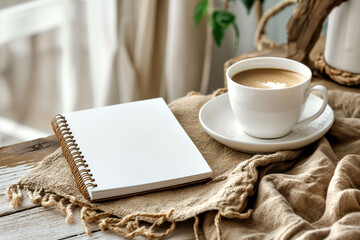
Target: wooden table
[{"x": 36, "y": 222}]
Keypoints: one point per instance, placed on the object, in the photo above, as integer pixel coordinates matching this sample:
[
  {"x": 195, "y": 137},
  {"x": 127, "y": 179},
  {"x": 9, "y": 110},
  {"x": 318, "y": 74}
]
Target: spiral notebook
[{"x": 126, "y": 149}]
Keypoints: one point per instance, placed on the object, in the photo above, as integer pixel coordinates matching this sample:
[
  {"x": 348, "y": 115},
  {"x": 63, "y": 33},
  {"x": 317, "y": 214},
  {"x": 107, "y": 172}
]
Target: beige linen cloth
[{"x": 310, "y": 193}]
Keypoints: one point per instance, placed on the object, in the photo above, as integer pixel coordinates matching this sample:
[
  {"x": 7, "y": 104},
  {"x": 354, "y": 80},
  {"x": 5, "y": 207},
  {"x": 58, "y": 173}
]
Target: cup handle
[{"x": 325, "y": 97}]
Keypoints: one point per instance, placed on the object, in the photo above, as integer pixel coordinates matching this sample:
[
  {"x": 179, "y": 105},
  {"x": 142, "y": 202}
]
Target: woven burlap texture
[
  {"x": 318, "y": 197},
  {"x": 235, "y": 175}
]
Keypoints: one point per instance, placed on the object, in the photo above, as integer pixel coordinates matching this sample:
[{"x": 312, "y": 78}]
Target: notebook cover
[{"x": 127, "y": 149}]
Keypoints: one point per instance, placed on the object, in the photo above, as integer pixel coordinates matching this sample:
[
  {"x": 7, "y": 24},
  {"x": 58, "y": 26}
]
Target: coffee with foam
[{"x": 268, "y": 78}]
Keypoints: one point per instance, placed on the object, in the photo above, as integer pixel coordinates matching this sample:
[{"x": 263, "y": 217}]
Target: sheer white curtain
[{"x": 146, "y": 49}]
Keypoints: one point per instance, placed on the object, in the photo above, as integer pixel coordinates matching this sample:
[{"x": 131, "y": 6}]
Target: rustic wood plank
[
  {"x": 45, "y": 223},
  {"x": 40, "y": 223},
  {"x": 17, "y": 160},
  {"x": 29, "y": 152},
  {"x": 6, "y": 179}
]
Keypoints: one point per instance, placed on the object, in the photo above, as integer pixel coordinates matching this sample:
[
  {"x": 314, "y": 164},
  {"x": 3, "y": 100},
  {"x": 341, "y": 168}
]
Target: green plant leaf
[
  {"x": 248, "y": 5},
  {"x": 220, "y": 20},
  {"x": 200, "y": 11},
  {"x": 224, "y": 18},
  {"x": 237, "y": 34},
  {"x": 218, "y": 31}
]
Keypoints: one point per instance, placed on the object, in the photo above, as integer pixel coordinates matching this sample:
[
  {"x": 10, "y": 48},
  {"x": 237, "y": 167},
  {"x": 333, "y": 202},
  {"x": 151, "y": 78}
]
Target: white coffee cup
[{"x": 271, "y": 113}]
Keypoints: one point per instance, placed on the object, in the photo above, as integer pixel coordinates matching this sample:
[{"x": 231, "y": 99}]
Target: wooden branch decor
[
  {"x": 304, "y": 27},
  {"x": 261, "y": 41}
]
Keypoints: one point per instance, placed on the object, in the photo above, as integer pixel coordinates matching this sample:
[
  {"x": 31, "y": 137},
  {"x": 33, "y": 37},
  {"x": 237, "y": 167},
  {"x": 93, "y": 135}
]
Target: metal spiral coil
[{"x": 73, "y": 155}]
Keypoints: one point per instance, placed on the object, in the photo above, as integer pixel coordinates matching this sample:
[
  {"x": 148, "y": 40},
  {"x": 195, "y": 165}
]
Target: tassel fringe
[
  {"x": 196, "y": 227},
  {"x": 128, "y": 226},
  {"x": 217, "y": 225},
  {"x": 15, "y": 195}
]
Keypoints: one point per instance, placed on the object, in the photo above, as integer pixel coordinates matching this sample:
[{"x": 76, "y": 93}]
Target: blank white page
[{"x": 135, "y": 147}]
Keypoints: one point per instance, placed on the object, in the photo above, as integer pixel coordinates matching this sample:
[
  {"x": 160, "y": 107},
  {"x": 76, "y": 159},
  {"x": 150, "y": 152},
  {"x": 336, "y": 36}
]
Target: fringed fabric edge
[{"x": 127, "y": 226}]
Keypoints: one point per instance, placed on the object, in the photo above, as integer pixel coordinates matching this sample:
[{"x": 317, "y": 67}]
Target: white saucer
[{"x": 219, "y": 122}]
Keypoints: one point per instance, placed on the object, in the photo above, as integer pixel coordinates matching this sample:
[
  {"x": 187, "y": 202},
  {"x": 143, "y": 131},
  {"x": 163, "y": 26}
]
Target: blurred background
[{"x": 66, "y": 55}]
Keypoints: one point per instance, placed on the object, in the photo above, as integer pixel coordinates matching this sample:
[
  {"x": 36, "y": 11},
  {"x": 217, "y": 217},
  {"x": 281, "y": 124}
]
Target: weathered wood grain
[
  {"x": 38, "y": 223},
  {"x": 6, "y": 179},
  {"x": 17, "y": 160},
  {"x": 27, "y": 152}
]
